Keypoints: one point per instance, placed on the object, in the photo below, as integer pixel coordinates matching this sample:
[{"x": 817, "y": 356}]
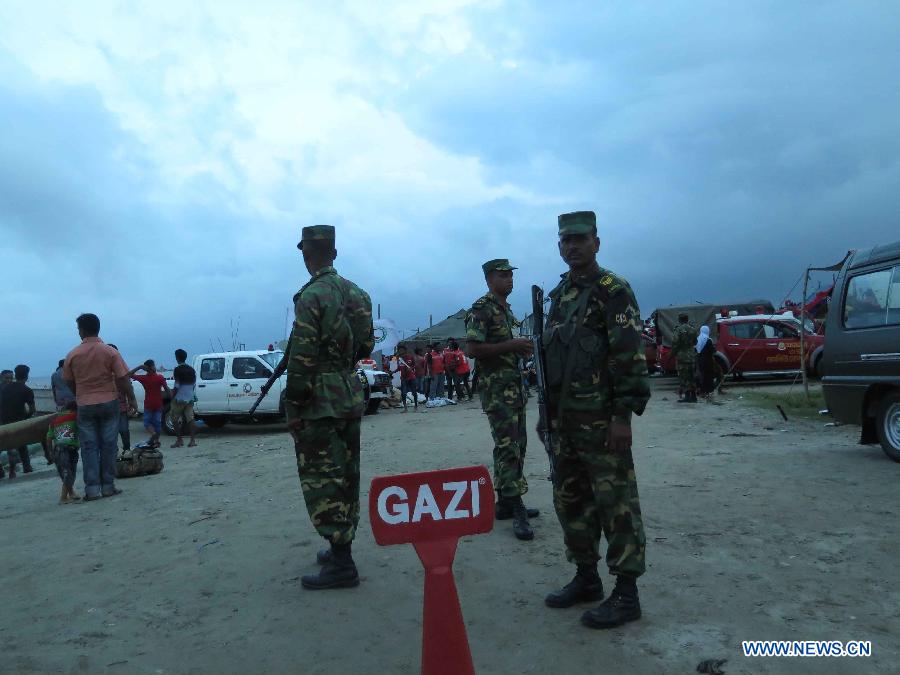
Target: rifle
[
  {"x": 278, "y": 372},
  {"x": 540, "y": 366}
]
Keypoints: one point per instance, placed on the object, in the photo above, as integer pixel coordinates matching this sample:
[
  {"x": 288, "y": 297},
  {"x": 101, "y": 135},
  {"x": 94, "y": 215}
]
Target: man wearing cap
[
  {"x": 324, "y": 402},
  {"x": 684, "y": 342},
  {"x": 490, "y": 341},
  {"x": 597, "y": 377}
]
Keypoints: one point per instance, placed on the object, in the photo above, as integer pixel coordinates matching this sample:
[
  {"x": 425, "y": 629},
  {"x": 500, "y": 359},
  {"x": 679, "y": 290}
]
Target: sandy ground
[{"x": 783, "y": 531}]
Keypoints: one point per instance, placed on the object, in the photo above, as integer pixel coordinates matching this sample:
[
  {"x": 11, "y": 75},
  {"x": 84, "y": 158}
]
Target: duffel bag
[{"x": 139, "y": 462}]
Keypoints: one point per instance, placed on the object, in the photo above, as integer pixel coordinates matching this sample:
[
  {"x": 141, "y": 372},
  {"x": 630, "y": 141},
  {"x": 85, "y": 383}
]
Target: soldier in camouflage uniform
[
  {"x": 684, "y": 340},
  {"x": 490, "y": 341},
  {"x": 324, "y": 402},
  {"x": 597, "y": 378}
]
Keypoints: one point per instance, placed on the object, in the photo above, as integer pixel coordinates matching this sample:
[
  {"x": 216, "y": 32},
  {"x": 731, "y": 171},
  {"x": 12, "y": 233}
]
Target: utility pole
[{"x": 803, "y": 334}]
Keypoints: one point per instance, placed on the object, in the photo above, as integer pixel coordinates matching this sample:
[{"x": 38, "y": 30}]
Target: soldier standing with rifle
[
  {"x": 596, "y": 378},
  {"x": 684, "y": 341},
  {"x": 491, "y": 342},
  {"x": 324, "y": 402}
]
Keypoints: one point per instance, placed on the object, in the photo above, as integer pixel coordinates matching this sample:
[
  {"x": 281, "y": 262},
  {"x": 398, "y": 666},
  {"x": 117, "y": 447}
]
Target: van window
[
  {"x": 866, "y": 302},
  {"x": 212, "y": 369},
  {"x": 248, "y": 368},
  {"x": 893, "y": 313}
]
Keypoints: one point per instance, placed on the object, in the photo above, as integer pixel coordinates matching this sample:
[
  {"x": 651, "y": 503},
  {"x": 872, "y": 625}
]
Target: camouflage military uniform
[
  {"x": 595, "y": 491},
  {"x": 332, "y": 330},
  {"x": 490, "y": 320},
  {"x": 684, "y": 341}
]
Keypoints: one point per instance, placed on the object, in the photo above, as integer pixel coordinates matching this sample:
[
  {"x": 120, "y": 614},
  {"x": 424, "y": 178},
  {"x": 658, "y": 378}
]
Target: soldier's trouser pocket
[
  {"x": 509, "y": 433},
  {"x": 328, "y": 465},
  {"x": 597, "y": 493}
]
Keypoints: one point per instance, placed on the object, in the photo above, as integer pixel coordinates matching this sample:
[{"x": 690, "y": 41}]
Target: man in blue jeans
[{"x": 96, "y": 373}]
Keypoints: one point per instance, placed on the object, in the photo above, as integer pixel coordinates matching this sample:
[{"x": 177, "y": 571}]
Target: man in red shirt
[
  {"x": 421, "y": 371},
  {"x": 407, "y": 369},
  {"x": 457, "y": 367},
  {"x": 154, "y": 385},
  {"x": 437, "y": 372}
]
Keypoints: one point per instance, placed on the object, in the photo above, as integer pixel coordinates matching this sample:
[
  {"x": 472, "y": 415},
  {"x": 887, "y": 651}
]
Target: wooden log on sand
[{"x": 17, "y": 434}]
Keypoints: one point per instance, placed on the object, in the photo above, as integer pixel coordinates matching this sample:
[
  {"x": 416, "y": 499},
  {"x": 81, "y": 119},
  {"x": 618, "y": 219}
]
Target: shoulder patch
[{"x": 480, "y": 302}]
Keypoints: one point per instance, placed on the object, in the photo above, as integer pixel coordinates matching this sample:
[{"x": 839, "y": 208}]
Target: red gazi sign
[
  {"x": 415, "y": 507},
  {"x": 431, "y": 511}
]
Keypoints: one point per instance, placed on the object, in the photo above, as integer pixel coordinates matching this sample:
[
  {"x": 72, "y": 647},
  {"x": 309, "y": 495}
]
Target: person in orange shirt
[{"x": 96, "y": 373}]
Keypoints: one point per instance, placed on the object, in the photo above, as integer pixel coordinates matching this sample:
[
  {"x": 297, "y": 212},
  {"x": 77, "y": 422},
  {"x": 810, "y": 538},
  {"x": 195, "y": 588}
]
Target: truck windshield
[{"x": 272, "y": 358}]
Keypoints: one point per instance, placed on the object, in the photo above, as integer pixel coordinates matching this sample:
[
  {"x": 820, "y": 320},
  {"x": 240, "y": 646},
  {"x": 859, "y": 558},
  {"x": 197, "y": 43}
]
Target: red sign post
[{"x": 431, "y": 511}]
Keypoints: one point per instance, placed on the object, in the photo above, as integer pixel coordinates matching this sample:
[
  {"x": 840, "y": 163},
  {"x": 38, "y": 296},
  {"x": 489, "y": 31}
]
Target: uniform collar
[
  {"x": 325, "y": 270},
  {"x": 497, "y": 301},
  {"x": 328, "y": 269},
  {"x": 585, "y": 280}
]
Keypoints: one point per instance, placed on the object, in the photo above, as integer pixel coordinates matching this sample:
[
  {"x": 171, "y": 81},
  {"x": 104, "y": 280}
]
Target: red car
[{"x": 759, "y": 345}]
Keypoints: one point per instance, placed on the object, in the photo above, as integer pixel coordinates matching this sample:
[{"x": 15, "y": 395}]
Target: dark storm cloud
[
  {"x": 81, "y": 233},
  {"x": 724, "y": 148}
]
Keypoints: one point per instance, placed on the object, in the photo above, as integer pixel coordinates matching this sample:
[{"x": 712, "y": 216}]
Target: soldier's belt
[{"x": 600, "y": 419}]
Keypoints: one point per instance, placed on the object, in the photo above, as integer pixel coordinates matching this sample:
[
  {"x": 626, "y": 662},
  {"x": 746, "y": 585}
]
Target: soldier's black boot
[
  {"x": 338, "y": 572},
  {"x": 521, "y": 527},
  {"x": 323, "y": 556},
  {"x": 620, "y": 607},
  {"x": 503, "y": 509},
  {"x": 585, "y": 587}
]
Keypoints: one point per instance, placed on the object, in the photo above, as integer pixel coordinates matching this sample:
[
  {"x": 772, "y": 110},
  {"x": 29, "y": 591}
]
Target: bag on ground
[{"x": 139, "y": 462}]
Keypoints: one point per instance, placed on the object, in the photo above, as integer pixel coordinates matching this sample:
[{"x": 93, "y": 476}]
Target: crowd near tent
[{"x": 454, "y": 326}]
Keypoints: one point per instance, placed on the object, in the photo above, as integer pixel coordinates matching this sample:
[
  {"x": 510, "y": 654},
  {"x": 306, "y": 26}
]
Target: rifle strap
[{"x": 570, "y": 357}]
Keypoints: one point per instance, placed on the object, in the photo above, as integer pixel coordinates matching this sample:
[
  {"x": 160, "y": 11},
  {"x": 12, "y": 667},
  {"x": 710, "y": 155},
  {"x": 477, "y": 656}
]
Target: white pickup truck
[{"x": 228, "y": 383}]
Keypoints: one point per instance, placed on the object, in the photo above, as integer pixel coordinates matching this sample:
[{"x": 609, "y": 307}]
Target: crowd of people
[
  {"x": 435, "y": 372},
  {"x": 94, "y": 399},
  {"x": 16, "y": 404}
]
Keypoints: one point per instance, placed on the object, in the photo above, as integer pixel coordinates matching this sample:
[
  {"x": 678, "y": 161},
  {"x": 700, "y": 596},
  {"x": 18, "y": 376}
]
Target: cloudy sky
[{"x": 159, "y": 159}]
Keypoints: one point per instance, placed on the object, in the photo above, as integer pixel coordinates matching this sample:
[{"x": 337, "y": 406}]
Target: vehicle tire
[
  {"x": 372, "y": 406},
  {"x": 167, "y": 424},
  {"x": 887, "y": 424},
  {"x": 215, "y": 421}
]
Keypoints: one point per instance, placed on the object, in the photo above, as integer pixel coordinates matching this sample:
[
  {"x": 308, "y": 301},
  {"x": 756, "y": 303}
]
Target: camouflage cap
[
  {"x": 501, "y": 264},
  {"x": 316, "y": 232},
  {"x": 578, "y": 222}
]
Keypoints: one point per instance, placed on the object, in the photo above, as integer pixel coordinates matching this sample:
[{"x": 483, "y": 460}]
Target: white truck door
[
  {"x": 212, "y": 385},
  {"x": 248, "y": 375}
]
